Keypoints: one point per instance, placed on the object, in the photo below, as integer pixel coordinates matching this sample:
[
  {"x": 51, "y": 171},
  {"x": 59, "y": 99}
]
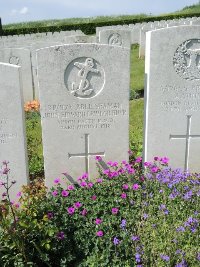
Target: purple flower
[
  {"x": 77, "y": 205},
  {"x": 123, "y": 195},
  {"x": 57, "y": 181},
  {"x": 145, "y": 216},
  {"x": 135, "y": 238},
  {"x": 138, "y": 160},
  {"x": 98, "y": 221},
  {"x": 180, "y": 229},
  {"x": 198, "y": 256},
  {"x": 65, "y": 193},
  {"x": 50, "y": 215},
  {"x": 85, "y": 176},
  {"x": 98, "y": 158},
  {"x": 165, "y": 257},
  {"x": 19, "y": 194},
  {"x": 83, "y": 184},
  {"x": 94, "y": 197},
  {"x": 70, "y": 187},
  {"x": 99, "y": 233},
  {"x": 115, "y": 210},
  {"x": 99, "y": 180},
  {"x": 84, "y": 212},
  {"x": 135, "y": 187},
  {"x": 137, "y": 258},
  {"x": 123, "y": 224},
  {"x": 125, "y": 186},
  {"x": 71, "y": 210},
  {"x": 116, "y": 241},
  {"x": 164, "y": 160},
  {"x": 60, "y": 235},
  {"x": 90, "y": 185},
  {"x": 54, "y": 193}
]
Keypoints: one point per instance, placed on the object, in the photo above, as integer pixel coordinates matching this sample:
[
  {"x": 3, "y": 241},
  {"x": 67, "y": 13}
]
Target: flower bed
[{"x": 128, "y": 216}]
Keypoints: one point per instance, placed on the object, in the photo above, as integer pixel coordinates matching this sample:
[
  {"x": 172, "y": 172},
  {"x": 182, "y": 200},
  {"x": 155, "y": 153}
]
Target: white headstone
[
  {"x": 12, "y": 129},
  {"x": 115, "y": 37},
  {"x": 20, "y": 57},
  {"x": 173, "y": 96},
  {"x": 33, "y": 48},
  {"x": 84, "y": 96}
]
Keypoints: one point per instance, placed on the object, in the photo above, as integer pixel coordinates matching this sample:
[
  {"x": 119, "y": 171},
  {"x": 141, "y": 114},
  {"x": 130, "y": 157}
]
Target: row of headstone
[
  {"x": 84, "y": 96},
  {"x": 114, "y": 35}
]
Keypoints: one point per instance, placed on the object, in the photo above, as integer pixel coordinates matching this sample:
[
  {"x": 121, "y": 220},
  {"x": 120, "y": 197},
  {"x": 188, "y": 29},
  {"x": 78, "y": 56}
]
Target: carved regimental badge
[
  {"x": 186, "y": 60},
  {"x": 14, "y": 60},
  {"x": 84, "y": 77},
  {"x": 115, "y": 39}
]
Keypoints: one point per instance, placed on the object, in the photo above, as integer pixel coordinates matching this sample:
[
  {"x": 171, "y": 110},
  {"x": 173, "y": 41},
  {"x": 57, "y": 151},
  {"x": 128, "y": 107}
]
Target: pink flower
[
  {"x": 84, "y": 212},
  {"x": 138, "y": 160},
  {"x": 85, "y": 176},
  {"x": 17, "y": 205},
  {"x": 90, "y": 185},
  {"x": 77, "y": 205},
  {"x": 19, "y": 194},
  {"x": 54, "y": 193},
  {"x": 98, "y": 221},
  {"x": 57, "y": 181},
  {"x": 99, "y": 233},
  {"x": 98, "y": 158},
  {"x": 70, "y": 187},
  {"x": 94, "y": 197},
  {"x": 125, "y": 186},
  {"x": 131, "y": 171},
  {"x": 83, "y": 184},
  {"x": 71, "y": 210},
  {"x": 123, "y": 195},
  {"x": 115, "y": 210},
  {"x": 99, "y": 180},
  {"x": 135, "y": 186},
  {"x": 65, "y": 193},
  {"x": 164, "y": 160},
  {"x": 147, "y": 164},
  {"x": 154, "y": 169}
]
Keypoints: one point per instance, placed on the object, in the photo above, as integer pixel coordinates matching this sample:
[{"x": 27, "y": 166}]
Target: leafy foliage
[{"x": 129, "y": 216}]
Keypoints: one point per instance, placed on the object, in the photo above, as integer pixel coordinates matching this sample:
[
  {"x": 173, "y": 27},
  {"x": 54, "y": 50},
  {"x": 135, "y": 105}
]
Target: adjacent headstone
[
  {"x": 20, "y": 57},
  {"x": 143, "y": 31},
  {"x": 80, "y": 39},
  {"x": 12, "y": 129},
  {"x": 115, "y": 37},
  {"x": 84, "y": 96},
  {"x": 33, "y": 47},
  {"x": 172, "y": 125}
]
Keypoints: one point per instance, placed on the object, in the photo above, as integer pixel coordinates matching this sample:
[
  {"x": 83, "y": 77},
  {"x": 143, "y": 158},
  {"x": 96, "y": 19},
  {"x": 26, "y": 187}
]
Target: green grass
[
  {"x": 137, "y": 72},
  {"x": 190, "y": 9}
]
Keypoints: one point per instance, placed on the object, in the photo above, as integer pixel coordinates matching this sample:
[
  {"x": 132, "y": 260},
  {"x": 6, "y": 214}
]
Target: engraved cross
[
  {"x": 86, "y": 154},
  {"x": 187, "y": 138}
]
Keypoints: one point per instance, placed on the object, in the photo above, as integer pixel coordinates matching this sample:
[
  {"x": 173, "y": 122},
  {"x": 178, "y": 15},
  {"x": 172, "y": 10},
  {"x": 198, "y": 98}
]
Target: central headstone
[
  {"x": 173, "y": 96},
  {"x": 84, "y": 96}
]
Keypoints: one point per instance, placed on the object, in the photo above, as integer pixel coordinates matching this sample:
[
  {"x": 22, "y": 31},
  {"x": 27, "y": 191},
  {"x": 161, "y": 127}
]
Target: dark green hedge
[
  {"x": 0, "y": 27},
  {"x": 90, "y": 28}
]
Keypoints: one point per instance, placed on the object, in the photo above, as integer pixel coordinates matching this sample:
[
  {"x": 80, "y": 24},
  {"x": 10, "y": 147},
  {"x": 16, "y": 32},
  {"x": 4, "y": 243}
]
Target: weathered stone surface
[
  {"x": 20, "y": 57},
  {"x": 172, "y": 126},
  {"x": 84, "y": 97},
  {"x": 115, "y": 37},
  {"x": 12, "y": 130}
]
